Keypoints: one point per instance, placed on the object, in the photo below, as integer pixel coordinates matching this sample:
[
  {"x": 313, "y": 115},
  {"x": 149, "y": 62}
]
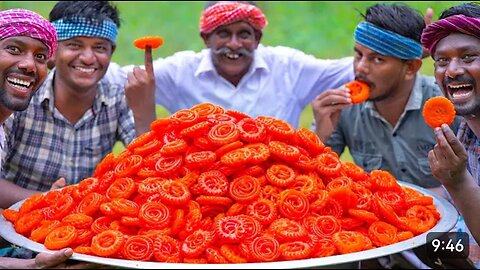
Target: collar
[
  {"x": 206, "y": 65},
  {"x": 45, "y": 93}
]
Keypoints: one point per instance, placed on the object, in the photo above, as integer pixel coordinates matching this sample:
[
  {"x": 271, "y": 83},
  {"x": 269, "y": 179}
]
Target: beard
[
  {"x": 469, "y": 108},
  {"x": 12, "y": 103}
]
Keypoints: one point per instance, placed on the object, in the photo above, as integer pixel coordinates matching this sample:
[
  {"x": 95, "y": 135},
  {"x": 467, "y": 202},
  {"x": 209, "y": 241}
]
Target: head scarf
[
  {"x": 442, "y": 28},
  {"x": 386, "y": 42},
  {"x": 229, "y": 12},
  {"x": 22, "y": 22},
  {"x": 68, "y": 28}
]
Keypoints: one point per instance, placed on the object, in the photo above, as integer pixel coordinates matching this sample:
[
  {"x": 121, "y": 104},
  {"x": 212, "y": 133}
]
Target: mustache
[
  {"x": 225, "y": 50},
  {"x": 458, "y": 79},
  {"x": 361, "y": 77}
]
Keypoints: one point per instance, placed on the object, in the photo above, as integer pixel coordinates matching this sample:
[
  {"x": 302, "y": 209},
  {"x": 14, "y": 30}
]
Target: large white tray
[{"x": 449, "y": 216}]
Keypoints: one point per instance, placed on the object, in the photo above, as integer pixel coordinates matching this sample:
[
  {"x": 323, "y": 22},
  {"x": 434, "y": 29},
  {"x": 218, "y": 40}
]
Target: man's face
[
  {"x": 457, "y": 71},
  {"x": 23, "y": 68},
  {"x": 382, "y": 73},
  {"x": 82, "y": 61},
  {"x": 232, "y": 48}
]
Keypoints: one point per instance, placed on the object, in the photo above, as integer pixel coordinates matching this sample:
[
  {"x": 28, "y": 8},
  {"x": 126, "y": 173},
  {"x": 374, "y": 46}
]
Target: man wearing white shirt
[{"x": 235, "y": 71}]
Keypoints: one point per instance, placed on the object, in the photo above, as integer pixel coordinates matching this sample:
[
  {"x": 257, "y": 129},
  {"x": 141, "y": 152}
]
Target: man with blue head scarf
[{"x": 76, "y": 117}]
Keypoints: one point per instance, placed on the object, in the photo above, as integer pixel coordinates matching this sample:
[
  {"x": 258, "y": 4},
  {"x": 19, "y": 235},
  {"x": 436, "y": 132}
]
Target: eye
[
  {"x": 101, "y": 48},
  {"x": 222, "y": 34},
  {"x": 469, "y": 58},
  {"x": 441, "y": 61},
  {"x": 378, "y": 60},
  {"x": 245, "y": 35},
  {"x": 13, "y": 49},
  {"x": 41, "y": 57}
]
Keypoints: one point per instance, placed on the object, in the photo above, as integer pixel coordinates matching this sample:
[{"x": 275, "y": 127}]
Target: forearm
[
  {"x": 11, "y": 193},
  {"x": 467, "y": 200},
  {"x": 142, "y": 122},
  {"x": 14, "y": 263}
]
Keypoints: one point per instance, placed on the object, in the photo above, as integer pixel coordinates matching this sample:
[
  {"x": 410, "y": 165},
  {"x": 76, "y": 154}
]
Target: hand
[
  {"x": 60, "y": 183},
  {"x": 140, "y": 93},
  {"x": 428, "y": 20},
  {"x": 327, "y": 108},
  {"x": 448, "y": 159},
  {"x": 58, "y": 260}
]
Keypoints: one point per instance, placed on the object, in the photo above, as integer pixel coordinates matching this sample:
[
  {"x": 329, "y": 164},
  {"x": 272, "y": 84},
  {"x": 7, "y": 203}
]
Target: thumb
[
  {"x": 59, "y": 183},
  {"x": 46, "y": 260}
]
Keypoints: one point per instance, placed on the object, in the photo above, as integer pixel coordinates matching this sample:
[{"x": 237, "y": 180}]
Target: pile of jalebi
[{"x": 209, "y": 185}]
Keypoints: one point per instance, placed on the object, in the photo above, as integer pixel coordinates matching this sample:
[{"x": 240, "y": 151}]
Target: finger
[
  {"x": 452, "y": 140},
  {"x": 428, "y": 16},
  {"x": 60, "y": 183},
  {"x": 45, "y": 260},
  {"x": 148, "y": 61}
]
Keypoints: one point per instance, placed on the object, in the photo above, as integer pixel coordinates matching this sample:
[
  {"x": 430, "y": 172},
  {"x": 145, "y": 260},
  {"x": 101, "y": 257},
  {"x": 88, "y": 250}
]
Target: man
[
  {"x": 378, "y": 132},
  {"x": 75, "y": 118},
  {"x": 27, "y": 41},
  {"x": 454, "y": 44},
  {"x": 387, "y": 132},
  {"x": 235, "y": 71}
]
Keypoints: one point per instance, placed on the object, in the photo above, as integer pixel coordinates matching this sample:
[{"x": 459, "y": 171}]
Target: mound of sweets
[{"x": 209, "y": 185}]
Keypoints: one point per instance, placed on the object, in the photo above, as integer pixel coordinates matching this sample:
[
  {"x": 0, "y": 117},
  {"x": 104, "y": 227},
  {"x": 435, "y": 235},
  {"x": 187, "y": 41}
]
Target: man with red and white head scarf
[
  {"x": 454, "y": 44},
  {"x": 27, "y": 41},
  {"x": 235, "y": 71}
]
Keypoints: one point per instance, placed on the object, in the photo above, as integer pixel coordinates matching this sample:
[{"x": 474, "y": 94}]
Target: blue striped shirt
[{"x": 42, "y": 145}]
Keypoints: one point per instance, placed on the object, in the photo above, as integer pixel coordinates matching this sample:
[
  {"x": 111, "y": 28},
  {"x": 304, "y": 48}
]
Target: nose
[
  {"x": 454, "y": 69},
  {"x": 27, "y": 63},
  {"x": 362, "y": 66},
  {"x": 87, "y": 56},
  {"x": 234, "y": 42}
]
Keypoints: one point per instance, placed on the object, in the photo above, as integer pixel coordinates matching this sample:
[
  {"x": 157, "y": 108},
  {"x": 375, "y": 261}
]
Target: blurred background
[{"x": 321, "y": 28}]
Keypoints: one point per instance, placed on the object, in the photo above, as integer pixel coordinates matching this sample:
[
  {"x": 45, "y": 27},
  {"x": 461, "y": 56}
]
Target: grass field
[{"x": 321, "y": 28}]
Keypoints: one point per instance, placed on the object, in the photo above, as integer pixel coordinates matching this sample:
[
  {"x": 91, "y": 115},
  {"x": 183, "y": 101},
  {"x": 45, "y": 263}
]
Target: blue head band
[
  {"x": 80, "y": 26},
  {"x": 387, "y": 42}
]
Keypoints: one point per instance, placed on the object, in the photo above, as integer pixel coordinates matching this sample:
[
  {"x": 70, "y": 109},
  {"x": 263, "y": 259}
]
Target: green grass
[{"x": 323, "y": 29}]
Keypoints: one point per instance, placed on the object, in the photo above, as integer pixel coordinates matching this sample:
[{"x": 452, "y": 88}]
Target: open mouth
[
  {"x": 20, "y": 84},
  {"x": 460, "y": 92},
  {"x": 232, "y": 56}
]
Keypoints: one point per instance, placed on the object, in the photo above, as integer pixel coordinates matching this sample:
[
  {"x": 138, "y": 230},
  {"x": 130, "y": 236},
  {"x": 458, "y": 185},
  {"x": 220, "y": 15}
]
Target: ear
[
  {"x": 51, "y": 62},
  {"x": 205, "y": 38},
  {"x": 413, "y": 66},
  {"x": 258, "y": 37}
]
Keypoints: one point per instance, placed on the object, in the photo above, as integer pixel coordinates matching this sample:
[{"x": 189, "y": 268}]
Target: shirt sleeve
[{"x": 314, "y": 75}]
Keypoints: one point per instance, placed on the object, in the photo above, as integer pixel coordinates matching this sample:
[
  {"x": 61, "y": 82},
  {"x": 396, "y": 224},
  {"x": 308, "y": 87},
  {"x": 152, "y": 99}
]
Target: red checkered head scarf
[
  {"x": 224, "y": 13},
  {"x": 22, "y": 22}
]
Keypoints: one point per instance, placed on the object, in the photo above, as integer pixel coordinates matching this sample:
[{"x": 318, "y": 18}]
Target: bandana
[
  {"x": 230, "y": 12},
  {"x": 442, "y": 28},
  {"x": 22, "y": 22},
  {"x": 80, "y": 26},
  {"x": 386, "y": 42}
]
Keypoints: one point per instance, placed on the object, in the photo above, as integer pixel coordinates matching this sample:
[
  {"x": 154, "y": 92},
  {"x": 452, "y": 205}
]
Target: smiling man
[
  {"x": 454, "y": 44},
  {"x": 75, "y": 118},
  {"x": 235, "y": 71}
]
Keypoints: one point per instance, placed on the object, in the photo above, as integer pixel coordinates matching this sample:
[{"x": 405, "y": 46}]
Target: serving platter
[{"x": 448, "y": 212}]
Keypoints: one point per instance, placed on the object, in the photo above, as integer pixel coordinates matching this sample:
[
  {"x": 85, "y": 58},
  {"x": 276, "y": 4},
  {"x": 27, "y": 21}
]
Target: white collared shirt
[{"x": 281, "y": 82}]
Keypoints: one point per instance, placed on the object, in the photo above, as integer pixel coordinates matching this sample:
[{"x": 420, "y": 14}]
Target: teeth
[
  {"x": 87, "y": 70},
  {"x": 460, "y": 94},
  {"x": 459, "y": 86},
  {"x": 21, "y": 84},
  {"x": 232, "y": 55}
]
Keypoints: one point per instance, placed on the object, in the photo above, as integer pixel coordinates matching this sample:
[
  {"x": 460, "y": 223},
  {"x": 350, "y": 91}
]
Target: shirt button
[
  {"x": 404, "y": 170},
  {"x": 394, "y": 134}
]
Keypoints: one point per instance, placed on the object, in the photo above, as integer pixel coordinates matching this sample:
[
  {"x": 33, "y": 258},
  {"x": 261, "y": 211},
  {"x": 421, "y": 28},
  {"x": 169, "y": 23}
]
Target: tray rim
[{"x": 449, "y": 217}]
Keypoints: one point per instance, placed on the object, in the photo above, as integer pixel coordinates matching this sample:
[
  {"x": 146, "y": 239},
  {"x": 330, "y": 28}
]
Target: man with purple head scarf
[
  {"x": 27, "y": 41},
  {"x": 454, "y": 44}
]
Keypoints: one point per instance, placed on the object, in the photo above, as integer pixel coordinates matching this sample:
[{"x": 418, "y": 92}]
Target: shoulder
[{"x": 429, "y": 86}]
